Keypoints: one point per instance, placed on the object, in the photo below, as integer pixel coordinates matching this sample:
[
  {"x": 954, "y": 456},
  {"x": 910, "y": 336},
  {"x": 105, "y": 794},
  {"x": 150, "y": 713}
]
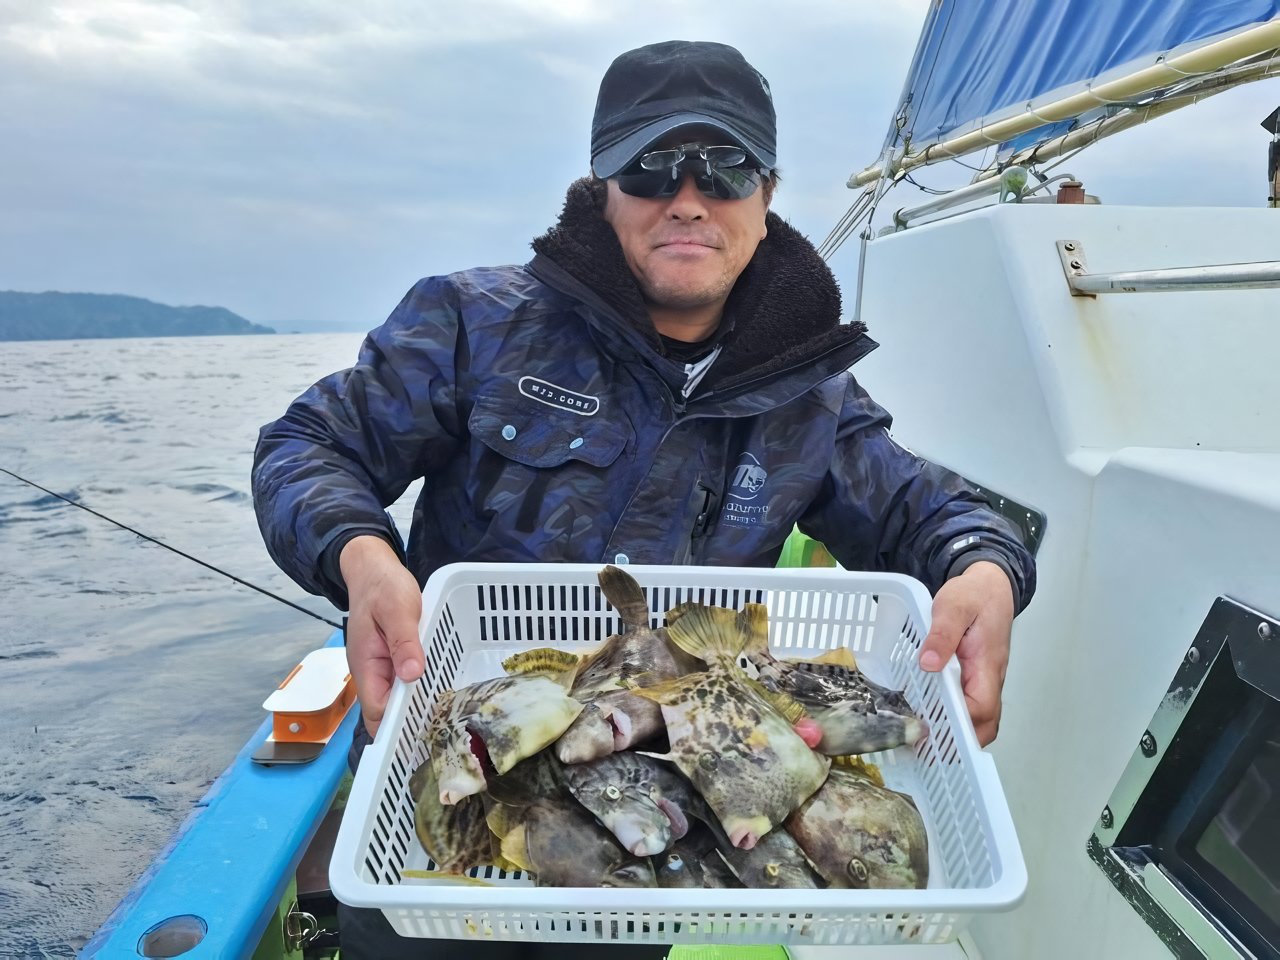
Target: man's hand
[
  {"x": 972, "y": 617},
  {"x": 382, "y": 626}
]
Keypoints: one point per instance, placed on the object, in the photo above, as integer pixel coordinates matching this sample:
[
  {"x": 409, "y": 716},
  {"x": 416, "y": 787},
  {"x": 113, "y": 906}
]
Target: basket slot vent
[{"x": 693, "y": 928}]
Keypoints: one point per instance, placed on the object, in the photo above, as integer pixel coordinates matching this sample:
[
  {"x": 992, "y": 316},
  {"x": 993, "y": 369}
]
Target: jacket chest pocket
[{"x": 544, "y": 440}]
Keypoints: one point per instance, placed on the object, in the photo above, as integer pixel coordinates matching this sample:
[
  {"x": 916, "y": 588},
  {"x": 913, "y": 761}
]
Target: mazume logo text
[
  {"x": 744, "y": 486},
  {"x": 556, "y": 396}
]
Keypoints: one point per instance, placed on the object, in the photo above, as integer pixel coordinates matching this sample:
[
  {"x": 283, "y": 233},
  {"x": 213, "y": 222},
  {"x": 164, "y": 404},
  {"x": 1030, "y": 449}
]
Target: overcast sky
[{"x": 303, "y": 163}]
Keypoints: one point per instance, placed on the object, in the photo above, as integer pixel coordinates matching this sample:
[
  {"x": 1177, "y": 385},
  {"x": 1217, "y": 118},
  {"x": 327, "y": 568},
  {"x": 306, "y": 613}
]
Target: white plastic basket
[{"x": 475, "y": 615}]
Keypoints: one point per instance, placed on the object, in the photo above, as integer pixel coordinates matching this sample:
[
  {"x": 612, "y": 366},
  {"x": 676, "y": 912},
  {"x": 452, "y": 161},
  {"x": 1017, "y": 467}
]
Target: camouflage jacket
[{"x": 550, "y": 425}]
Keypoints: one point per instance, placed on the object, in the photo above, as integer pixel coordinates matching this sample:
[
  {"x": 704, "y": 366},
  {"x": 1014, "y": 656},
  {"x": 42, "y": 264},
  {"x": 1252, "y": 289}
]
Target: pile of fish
[{"x": 760, "y": 784}]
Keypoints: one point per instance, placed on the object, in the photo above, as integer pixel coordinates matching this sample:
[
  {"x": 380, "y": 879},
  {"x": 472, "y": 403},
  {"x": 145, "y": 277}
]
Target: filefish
[
  {"x": 499, "y": 722},
  {"x": 725, "y": 734},
  {"x": 642, "y": 802},
  {"x": 614, "y": 717},
  {"x": 863, "y": 835},
  {"x": 565, "y": 847},
  {"x": 777, "y": 861},
  {"x": 545, "y": 832},
  {"x": 455, "y": 836},
  {"x": 692, "y": 862},
  {"x": 853, "y": 714}
]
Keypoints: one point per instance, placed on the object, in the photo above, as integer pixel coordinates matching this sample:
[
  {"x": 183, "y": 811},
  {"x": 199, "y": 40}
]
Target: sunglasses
[{"x": 718, "y": 172}]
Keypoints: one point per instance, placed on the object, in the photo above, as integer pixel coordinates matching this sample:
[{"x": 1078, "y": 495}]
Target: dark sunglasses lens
[
  {"x": 638, "y": 182},
  {"x": 725, "y": 183},
  {"x": 729, "y": 183}
]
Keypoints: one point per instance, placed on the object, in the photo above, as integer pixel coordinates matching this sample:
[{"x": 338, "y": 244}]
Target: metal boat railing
[{"x": 1223, "y": 276}]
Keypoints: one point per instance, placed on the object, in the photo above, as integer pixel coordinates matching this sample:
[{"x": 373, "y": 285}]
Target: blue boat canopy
[{"x": 981, "y": 62}]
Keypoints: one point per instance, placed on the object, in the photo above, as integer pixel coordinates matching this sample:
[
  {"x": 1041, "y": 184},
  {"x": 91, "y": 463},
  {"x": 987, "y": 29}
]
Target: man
[{"x": 665, "y": 382}]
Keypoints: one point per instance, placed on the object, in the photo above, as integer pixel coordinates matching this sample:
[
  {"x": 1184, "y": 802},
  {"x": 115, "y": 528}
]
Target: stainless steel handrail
[
  {"x": 1011, "y": 184},
  {"x": 1223, "y": 276}
]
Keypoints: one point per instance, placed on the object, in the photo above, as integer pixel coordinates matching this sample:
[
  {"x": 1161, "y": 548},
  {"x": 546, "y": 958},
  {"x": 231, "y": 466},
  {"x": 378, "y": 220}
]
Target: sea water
[{"x": 130, "y": 676}]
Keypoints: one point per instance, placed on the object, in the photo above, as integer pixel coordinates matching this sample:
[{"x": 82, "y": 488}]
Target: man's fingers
[
  {"x": 398, "y": 622},
  {"x": 950, "y": 621},
  {"x": 982, "y": 695},
  {"x": 371, "y": 668},
  {"x": 986, "y": 731}
]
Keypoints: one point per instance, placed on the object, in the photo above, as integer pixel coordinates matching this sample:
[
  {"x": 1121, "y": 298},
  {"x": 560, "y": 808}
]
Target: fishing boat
[{"x": 1107, "y": 374}]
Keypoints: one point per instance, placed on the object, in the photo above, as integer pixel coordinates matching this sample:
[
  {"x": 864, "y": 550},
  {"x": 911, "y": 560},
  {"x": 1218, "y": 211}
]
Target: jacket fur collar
[{"x": 784, "y": 309}]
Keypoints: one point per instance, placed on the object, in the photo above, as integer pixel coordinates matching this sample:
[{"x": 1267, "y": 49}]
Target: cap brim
[{"x": 612, "y": 160}]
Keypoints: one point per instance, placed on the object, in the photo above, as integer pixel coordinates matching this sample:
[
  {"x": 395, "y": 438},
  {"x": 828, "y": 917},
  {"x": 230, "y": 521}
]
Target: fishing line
[{"x": 160, "y": 543}]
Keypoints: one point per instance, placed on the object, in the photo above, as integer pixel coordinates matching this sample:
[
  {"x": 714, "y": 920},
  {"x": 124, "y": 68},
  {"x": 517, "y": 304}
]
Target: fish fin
[
  {"x": 502, "y": 863},
  {"x": 678, "y": 611},
  {"x": 423, "y": 779},
  {"x": 664, "y": 757},
  {"x": 515, "y": 849},
  {"x": 790, "y": 708},
  {"x": 708, "y": 633},
  {"x": 625, "y": 595},
  {"x": 839, "y": 657},
  {"x": 644, "y": 678},
  {"x": 856, "y": 765},
  {"x": 668, "y": 691},
  {"x": 753, "y": 620},
  {"x": 548, "y": 660},
  {"x": 729, "y": 864},
  {"x": 439, "y": 875},
  {"x": 502, "y": 818}
]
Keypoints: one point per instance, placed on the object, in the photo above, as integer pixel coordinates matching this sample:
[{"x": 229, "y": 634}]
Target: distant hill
[{"x": 93, "y": 316}]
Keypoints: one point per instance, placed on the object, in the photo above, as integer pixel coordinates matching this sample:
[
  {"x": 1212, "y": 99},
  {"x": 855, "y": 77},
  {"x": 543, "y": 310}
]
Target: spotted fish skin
[
  {"x": 512, "y": 717},
  {"x": 455, "y": 836},
  {"x": 741, "y": 755},
  {"x": 551, "y": 835},
  {"x": 568, "y": 848},
  {"x": 616, "y": 718},
  {"x": 855, "y": 714},
  {"x": 862, "y": 835},
  {"x": 641, "y": 802},
  {"x": 776, "y": 862},
  {"x": 692, "y": 862}
]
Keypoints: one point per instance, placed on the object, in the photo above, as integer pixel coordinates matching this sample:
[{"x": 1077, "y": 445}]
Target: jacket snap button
[
  {"x": 621, "y": 559},
  {"x": 575, "y": 444},
  {"x": 508, "y": 432}
]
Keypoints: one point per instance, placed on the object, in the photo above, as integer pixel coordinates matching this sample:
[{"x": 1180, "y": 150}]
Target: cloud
[{"x": 304, "y": 159}]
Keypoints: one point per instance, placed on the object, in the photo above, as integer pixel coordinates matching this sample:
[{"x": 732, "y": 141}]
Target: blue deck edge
[{"x": 231, "y": 860}]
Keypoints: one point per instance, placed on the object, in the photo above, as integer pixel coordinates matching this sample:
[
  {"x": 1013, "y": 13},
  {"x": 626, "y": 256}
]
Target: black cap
[{"x": 648, "y": 92}]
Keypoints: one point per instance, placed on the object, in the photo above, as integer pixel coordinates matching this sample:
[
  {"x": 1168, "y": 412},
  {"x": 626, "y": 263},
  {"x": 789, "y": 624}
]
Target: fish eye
[
  {"x": 612, "y": 793},
  {"x": 772, "y": 870},
  {"x": 708, "y": 761},
  {"x": 858, "y": 870},
  {"x": 675, "y": 862}
]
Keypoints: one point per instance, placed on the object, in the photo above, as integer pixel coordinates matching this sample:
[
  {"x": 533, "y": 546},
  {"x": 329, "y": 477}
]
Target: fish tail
[
  {"x": 753, "y": 620},
  {"x": 708, "y": 633},
  {"x": 626, "y": 596},
  {"x": 559, "y": 665}
]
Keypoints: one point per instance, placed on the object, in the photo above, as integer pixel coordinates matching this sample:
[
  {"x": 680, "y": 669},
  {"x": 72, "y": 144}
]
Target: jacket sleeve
[
  {"x": 884, "y": 508},
  {"x": 350, "y": 446}
]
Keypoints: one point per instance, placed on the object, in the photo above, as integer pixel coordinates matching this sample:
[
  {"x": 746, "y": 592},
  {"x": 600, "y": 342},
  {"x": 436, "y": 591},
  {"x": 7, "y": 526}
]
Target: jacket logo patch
[
  {"x": 747, "y": 480},
  {"x": 555, "y": 396}
]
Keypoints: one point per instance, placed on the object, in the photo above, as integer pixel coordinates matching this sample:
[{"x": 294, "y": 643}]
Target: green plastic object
[
  {"x": 804, "y": 551},
  {"x": 728, "y": 953},
  {"x": 272, "y": 945}
]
